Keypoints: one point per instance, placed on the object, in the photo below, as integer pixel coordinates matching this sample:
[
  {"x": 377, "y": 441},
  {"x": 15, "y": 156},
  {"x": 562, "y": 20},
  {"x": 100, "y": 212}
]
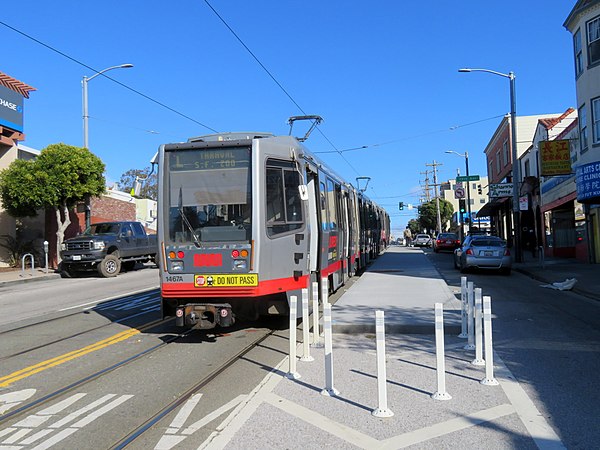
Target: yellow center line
[{"x": 44, "y": 365}]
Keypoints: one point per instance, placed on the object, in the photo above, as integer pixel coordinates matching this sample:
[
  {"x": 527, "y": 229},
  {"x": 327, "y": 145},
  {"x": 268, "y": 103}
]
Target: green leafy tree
[
  {"x": 413, "y": 225},
  {"x": 61, "y": 176},
  {"x": 428, "y": 214},
  {"x": 149, "y": 183}
]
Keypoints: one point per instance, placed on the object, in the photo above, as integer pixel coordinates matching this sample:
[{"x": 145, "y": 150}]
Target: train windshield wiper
[{"x": 186, "y": 221}]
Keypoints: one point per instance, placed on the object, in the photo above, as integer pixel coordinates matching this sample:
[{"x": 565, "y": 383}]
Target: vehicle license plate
[
  {"x": 488, "y": 253},
  {"x": 76, "y": 257},
  {"x": 225, "y": 280}
]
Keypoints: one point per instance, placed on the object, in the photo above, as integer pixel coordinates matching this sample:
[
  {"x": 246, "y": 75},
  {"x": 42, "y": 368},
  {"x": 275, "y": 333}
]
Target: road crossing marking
[
  {"x": 174, "y": 435},
  {"x": 12, "y": 399},
  {"x": 19, "y": 435}
]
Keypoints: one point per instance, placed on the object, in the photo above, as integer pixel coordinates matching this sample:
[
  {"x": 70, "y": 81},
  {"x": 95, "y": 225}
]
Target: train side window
[
  {"x": 332, "y": 204},
  {"x": 284, "y": 206}
]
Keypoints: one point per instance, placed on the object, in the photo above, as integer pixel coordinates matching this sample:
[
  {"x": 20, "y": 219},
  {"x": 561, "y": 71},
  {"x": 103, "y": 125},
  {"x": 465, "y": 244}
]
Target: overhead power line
[{"x": 147, "y": 97}]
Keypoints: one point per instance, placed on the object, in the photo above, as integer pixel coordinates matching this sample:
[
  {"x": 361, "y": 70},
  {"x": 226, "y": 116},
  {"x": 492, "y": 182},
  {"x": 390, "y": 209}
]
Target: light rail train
[{"x": 246, "y": 220}]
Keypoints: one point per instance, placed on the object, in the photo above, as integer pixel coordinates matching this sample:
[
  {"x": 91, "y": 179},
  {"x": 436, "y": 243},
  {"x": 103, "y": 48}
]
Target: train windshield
[{"x": 209, "y": 196}]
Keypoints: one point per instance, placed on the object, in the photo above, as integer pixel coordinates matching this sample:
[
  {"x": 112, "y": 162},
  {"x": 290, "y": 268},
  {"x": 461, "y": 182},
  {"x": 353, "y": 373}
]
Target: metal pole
[
  {"x": 463, "y": 313},
  {"x": 441, "y": 393},
  {"x": 84, "y": 83},
  {"x": 292, "y": 374},
  {"x": 489, "y": 379},
  {"x": 329, "y": 389},
  {"x": 470, "y": 331},
  {"x": 316, "y": 341},
  {"x": 305, "y": 326},
  {"x": 515, "y": 168},
  {"x": 478, "y": 361}
]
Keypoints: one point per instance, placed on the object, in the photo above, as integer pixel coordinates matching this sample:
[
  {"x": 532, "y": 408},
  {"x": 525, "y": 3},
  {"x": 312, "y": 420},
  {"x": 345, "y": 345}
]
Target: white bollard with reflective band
[
  {"x": 293, "y": 313},
  {"x": 477, "y": 313},
  {"x": 316, "y": 338},
  {"x": 470, "y": 331},
  {"x": 463, "y": 313},
  {"x": 382, "y": 410},
  {"x": 329, "y": 389},
  {"x": 324, "y": 290},
  {"x": 305, "y": 326},
  {"x": 489, "y": 379},
  {"x": 441, "y": 393}
]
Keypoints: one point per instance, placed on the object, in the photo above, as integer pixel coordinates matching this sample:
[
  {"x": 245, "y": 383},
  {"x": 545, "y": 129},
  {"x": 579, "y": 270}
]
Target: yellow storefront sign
[{"x": 555, "y": 158}]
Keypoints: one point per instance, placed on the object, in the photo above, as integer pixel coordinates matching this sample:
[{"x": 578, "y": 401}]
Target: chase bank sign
[{"x": 11, "y": 109}]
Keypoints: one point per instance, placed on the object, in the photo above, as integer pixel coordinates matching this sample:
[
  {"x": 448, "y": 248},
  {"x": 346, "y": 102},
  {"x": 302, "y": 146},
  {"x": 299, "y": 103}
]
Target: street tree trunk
[{"x": 61, "y": 227}]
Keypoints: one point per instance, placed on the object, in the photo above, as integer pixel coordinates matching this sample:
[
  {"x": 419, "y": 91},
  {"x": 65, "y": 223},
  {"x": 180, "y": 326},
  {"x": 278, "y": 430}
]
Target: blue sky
[{"x": 381, "y": 74}]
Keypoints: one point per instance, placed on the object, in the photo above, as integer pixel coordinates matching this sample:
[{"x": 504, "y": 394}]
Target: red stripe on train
[{"x": 264, "y": 288}]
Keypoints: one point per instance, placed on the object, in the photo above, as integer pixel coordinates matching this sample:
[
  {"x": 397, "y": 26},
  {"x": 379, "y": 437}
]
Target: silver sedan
[{"x": 483, "y": 252}]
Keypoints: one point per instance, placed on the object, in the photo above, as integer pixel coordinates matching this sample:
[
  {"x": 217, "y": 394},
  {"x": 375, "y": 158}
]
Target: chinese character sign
[{"x": 555, "y": 158}]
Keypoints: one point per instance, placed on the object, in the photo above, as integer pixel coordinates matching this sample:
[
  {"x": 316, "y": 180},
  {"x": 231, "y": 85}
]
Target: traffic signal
[
  {"x": 479, "y": 189},
  {"x": 462, "y": 206},
  {"x": 401, "y": 205}
]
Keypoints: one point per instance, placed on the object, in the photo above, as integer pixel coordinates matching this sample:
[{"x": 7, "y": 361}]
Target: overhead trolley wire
[{"x": 147, "y": 97}]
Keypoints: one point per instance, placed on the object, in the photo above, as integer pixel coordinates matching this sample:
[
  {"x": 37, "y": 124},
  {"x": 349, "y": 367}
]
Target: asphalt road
[{"x": 550, "y": 341}]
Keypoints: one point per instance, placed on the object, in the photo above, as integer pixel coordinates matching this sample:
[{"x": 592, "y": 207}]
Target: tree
[
  {"x": 61, "y": 176},
  {"x": 149, "y": 183},
  {"x": 428, "y": 214}
]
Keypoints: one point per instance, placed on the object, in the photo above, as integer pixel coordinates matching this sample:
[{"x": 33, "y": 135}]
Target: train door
[
  {"x": 313, "y": 220},
  {"x": 345, "y": 233}
]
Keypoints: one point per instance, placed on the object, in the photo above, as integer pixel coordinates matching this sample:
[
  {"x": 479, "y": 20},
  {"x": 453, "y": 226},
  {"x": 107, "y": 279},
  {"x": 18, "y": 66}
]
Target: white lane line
[
  {"x": 541, "y": 432},
  {"x": 213, "y": 415},
  {"x": 74, "y": 415},
  {"x": 35, "y": 420},
  {"x": 108, "y": 299},
  {"x": 100, "y": 412},
  {"x": 450, "y": 426},
  {"x": 184, "y": 413}
]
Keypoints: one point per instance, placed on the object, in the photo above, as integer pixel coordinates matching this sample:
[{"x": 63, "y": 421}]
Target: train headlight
[
  {"x": 239, "y": 264},
  {"x": 176, "y": 266}
]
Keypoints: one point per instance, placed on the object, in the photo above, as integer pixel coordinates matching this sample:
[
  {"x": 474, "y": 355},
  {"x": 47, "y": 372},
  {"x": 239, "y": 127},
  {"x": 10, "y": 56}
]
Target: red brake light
[
  {"x": 180, "y": 254},
  {"x": 506, "y": 252},
  {"x": 235, "y": 253},
  {"x": 469, "y": 252}
]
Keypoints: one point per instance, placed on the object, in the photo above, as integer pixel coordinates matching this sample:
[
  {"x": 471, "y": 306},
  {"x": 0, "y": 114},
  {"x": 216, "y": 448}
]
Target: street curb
[{"x": 30, "y": 280}]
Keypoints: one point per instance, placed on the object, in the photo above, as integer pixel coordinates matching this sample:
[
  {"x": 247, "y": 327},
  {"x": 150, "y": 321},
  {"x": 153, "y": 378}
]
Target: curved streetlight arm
[
  {"x": 121, "y": 66},
  {"x": 510, "y": 75}
]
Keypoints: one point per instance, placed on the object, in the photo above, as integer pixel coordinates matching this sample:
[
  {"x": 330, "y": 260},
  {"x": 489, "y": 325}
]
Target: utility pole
[
  {"x": 426, "y": 189},
  {"x": 437, "y": 197}
]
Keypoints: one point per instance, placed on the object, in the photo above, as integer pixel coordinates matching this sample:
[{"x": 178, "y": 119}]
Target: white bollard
[
  {"x": 471, "y": 338},
  {"x": 382, "y": 410},
  {"x": 324, "y": 290},
  {"x": 463, "y": 313},
  {"x": 316, "y": 340},
  {"x": 477, "y": 313},
  {"x": 293, "y": 313},
  {"x": 489, "y": 379},
  {"x": 305, "y": 326},
  {"x": 441, "y": 393},
  {"x": 329, "y": 389}
]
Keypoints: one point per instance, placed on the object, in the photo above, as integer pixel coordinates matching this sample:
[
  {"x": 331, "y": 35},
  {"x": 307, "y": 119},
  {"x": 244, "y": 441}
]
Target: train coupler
[{"x": 204, "y": 317}]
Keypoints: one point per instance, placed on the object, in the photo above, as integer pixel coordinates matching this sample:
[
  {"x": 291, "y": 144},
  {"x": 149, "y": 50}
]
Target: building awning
[{"x": 491, "y": 206}]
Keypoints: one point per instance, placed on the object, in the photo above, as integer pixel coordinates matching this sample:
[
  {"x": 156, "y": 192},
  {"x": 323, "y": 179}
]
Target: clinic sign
[
  {"x": 11, "y": 109},
  {"x": 588, "y": 182}
]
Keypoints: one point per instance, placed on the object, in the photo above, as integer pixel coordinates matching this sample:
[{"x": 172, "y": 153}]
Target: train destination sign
[
  {"x": 223, "y": 158},
  {"x": 501, "y": 190}
]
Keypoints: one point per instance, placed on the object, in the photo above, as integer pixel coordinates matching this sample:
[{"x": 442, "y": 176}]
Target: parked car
[
  {"x": 446, "y": 241},
  {"x": 422, "y": 240},
  {"x": 107, "y": 247},
  {"x": 483, "y": 252}
]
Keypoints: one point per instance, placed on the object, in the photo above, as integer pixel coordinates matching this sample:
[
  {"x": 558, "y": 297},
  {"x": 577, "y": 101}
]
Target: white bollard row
[
  {"x": 470, "y": 331},
  {"x": 382, "y": 410}
]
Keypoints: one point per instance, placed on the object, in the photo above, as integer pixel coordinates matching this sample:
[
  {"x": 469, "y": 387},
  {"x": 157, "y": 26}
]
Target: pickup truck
[{"x": 107, "y": 247}]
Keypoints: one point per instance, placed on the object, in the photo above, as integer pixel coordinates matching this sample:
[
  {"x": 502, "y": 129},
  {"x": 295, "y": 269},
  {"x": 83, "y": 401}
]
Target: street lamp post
[
  {"x": 515, "y": 161},
  {"x": 466, "y": 156},
  {"x": 84, "y": 83}
]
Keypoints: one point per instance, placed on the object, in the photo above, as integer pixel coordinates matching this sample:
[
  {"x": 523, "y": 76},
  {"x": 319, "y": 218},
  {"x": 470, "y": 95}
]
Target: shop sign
[
  {"x": 11, "y": 109},
  {"x": 555, "y": 158},
  {"x": 501, "y": 190},
  {"x": 588, "y": 182}
]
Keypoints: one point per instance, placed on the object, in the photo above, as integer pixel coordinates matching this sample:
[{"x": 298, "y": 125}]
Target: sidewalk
[
  {"x": 294, "y": 414},
  {"x": 16, "y": 276}
]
